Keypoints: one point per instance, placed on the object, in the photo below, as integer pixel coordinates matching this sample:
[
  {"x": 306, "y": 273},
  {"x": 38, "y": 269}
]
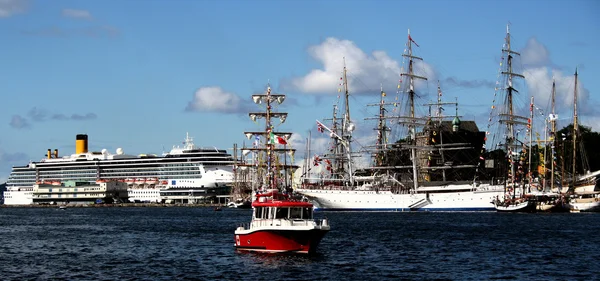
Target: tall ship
[
  {"x": 186, "y": 174},
  {"x": 424, "y": 171},
  {"x": 583, "y": 193}
]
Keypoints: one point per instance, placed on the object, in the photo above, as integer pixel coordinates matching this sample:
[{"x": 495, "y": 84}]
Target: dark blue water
[{"x": 197, "y": 244}]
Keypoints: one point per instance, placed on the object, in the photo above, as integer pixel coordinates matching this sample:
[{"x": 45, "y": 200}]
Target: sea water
[{"x": 183, "y": 243}]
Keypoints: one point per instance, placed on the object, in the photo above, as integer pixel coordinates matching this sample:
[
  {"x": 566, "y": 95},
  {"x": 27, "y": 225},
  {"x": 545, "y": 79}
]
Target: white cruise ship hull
[
  {"x": 356, "y": 200},
  {"x": 18, "y": 197},
  {"x": 144, "y": 195}
]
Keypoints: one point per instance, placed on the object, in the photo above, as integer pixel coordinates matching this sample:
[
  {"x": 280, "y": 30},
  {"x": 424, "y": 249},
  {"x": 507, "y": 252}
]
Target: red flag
[
  {"x": 410, "y": 38},
  {"x": 281, "y": 140},
  {"x": 317, "y": 160}
]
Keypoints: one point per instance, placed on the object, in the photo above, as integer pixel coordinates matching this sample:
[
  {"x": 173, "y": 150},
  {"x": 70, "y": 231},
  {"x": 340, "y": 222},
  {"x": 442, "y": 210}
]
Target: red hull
[{"x": 279, "y": 241}]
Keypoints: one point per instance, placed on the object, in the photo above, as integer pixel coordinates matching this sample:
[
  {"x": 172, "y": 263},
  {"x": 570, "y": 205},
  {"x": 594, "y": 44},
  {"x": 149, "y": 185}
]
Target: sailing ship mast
[
  {"x": 553, "y": 118},
  {"x": 347, "y": 127},
  {"x": 437, "y": 126},
  {"x": 341, "y": 137},
  {"x": 411, "y": 97},
  {"x": 509, "y": 118},
  {"x": 575, "y": 129},
  {"x": 268, "y": 175},
  {"x": 382, "y": 131}
]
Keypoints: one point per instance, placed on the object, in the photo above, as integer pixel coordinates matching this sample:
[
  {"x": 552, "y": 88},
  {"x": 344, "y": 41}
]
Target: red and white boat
[{"x": 280, "y": 223}]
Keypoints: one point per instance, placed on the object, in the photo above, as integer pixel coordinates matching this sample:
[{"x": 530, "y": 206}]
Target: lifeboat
[
  {"x": 151, "y": 180},
  {"x": 281, "y": 224},
  {"x": 55, "y": 183},
  {"x": 129, "y": 180},
  {"x": 100, "y": 180},
  {"x": 140, "y": 181},
  {"x": 163, "y": 182}
]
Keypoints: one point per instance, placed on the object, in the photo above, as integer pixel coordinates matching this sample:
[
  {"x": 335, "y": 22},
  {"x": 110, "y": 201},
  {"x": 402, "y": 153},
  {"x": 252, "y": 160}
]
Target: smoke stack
[
  {"x": 81, "y": 144},
  {"x": 55, "y": 153},
  {"x": 49, "y": 153}
]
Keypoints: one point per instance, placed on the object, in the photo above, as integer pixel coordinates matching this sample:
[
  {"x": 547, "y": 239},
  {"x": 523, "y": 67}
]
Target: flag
[
  {"x": 281, "y": 140},
  {"x": 410, "y": 38},
  {"x": 319, "y": 127},
  {"x": 256, "y": 141},
  {"x": 317, "y": 160},
  {"x": 272, "y": 138}
]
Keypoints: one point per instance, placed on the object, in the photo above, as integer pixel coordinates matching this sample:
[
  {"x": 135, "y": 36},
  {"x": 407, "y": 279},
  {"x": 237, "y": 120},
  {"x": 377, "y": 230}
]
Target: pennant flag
[
  {"x": 319, "y": 127},
  {"x": 410, "y": 38},
  {"x": 317, "y": 160}
]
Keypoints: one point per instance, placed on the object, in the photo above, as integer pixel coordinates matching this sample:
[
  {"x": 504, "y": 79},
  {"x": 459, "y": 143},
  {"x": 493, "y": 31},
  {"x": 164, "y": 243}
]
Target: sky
[{"x": 139, "y": 75}]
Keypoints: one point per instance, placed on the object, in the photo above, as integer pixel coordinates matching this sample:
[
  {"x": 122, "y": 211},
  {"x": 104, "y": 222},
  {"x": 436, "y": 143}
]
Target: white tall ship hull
[{"x": 469, "y": 199}]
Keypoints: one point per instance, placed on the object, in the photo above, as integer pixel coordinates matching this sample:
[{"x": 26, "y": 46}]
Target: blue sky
[{"x": 140, "y": 74}]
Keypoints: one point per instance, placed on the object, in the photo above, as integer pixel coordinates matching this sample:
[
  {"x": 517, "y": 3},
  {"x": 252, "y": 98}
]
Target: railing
[{"x": 317, "y": 223}]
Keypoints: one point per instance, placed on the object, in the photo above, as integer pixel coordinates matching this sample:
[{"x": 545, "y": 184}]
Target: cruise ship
[{"x": 186, "y": 174}]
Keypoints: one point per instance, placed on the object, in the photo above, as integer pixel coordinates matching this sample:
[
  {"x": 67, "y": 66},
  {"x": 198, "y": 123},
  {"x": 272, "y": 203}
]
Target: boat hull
[
  {"x": 585, "y": 205},
  {"x": 279, "y": 241},
  {"x": 517, "y": 207},
  {"x": 355, "y": 200},
  {"x": 18, "y": 197}
]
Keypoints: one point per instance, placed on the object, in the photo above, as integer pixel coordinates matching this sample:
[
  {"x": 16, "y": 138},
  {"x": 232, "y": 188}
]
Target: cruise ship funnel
[{"x": 81, "y": 144}]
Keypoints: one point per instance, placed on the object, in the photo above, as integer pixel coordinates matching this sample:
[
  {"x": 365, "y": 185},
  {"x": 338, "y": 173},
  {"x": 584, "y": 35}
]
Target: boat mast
[
  {"x": 575, "y": 127},
  {"x": 382, "y": 130},
  {"x": 530, "y": 127},
  {"x": 270, "y": 138},
  {"x": 270, "y": 143},
  {"x": 339, "y": 163},
  {"x": 235, "y": 170},
  {"x": 510, "y": 117},
  {"x": 411, "y": 97},
  {"x": 347, "y": 127},
  {"x": 553, "y": 125}
]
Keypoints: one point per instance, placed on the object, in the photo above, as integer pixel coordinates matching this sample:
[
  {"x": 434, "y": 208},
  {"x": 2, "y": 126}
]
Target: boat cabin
[
  {"x": 275, "y": 205},
  {"x": 281, "y": 212}
]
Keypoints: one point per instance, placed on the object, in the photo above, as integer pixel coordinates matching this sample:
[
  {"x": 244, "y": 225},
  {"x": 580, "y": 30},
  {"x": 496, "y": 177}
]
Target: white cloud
[
  {"x": 366, "y": 73},
  {"x": 535, "y": 54},
  {"x": 539, "y": 84},
  {"x": 539, "y": 73},
  {"x": 11, "y": 7},
  {"x": 214, "y": 99},
  {"x": 77, "y": 14}
]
